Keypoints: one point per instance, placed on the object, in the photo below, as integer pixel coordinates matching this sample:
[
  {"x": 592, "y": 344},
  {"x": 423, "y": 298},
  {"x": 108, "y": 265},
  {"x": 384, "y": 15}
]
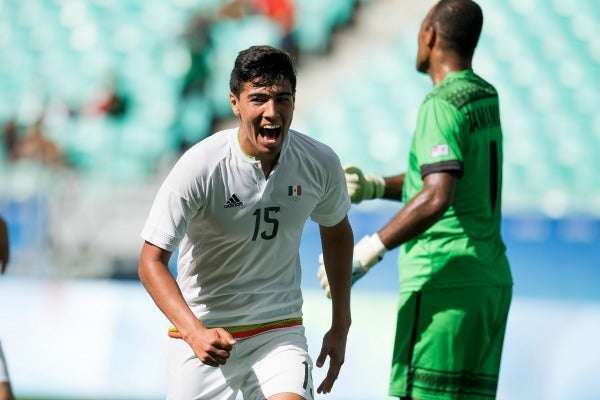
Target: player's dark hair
[
  {"x": 459, "y": 23},
  {"x": 263, "y": 66}
]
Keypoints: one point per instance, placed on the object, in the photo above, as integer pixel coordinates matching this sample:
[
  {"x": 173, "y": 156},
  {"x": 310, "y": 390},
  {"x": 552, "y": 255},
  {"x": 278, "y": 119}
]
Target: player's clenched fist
[
  {"x": 361, "y": 187},
  {"x": 212, "y": 346}
]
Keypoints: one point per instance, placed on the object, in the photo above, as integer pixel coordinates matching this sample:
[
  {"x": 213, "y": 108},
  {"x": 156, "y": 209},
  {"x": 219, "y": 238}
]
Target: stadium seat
[{"x": 546, "y": 68}]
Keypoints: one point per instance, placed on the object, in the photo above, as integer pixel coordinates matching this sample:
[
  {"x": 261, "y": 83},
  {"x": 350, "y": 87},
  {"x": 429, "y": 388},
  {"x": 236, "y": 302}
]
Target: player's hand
[
  {"x": 212, "y": 346},
  {"x": 367, "y": 252},
  {"x": 361, "y": 187},
  {"x": 334, "y": 346}
]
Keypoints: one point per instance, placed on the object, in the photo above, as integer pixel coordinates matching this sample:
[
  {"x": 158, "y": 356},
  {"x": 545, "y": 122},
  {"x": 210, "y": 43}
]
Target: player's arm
[
  {"x": 393, "y": 187},
  {"x": 337, "y": 242},
  {"x": 212, "y": 346},
  {"x": 422, "y": 211},
  {"x": 416, "y": 217},
  {"x": 365, "y": 187},
  {"x": 4, "y": 246}
]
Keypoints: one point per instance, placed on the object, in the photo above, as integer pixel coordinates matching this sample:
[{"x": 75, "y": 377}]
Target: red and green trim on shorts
[{"x": 245, "y": 331}]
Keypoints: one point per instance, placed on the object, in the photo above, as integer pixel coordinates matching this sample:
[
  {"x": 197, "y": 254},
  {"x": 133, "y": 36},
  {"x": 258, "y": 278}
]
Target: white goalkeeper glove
[
  {"x": 361, "y": 187},
  {"x": 367, "y": 252}
]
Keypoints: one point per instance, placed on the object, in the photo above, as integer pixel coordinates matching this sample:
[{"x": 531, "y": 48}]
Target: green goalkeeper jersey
[{"x": 458, "y": 131}]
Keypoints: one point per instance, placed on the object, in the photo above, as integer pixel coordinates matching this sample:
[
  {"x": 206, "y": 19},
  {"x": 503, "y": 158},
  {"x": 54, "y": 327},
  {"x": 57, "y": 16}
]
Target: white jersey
[{"x": 239, "y": 233}]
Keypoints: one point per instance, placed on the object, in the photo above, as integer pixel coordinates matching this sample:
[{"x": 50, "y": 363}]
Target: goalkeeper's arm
[
  {"x": 365, "y": 187},
  {"x": 417, "y": 215}
]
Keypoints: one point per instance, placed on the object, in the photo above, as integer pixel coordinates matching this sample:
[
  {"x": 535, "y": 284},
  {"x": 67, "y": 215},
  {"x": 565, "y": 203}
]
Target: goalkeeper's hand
[
  {"x": 361, "y": 187},
  {"x": 367, "y": 252}
]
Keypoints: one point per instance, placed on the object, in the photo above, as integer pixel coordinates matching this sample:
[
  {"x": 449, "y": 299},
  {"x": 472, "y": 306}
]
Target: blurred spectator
[
  {"x": 234, "y": 9},
  {"x": 197, "y": 38},
  {"x": 58, "y": 110},
  {"x": 35, "y": 146},
  {"x": 10, "y": 136},
  {"x": 283, "y": 13},
  {"x": 111, "y": 101}
]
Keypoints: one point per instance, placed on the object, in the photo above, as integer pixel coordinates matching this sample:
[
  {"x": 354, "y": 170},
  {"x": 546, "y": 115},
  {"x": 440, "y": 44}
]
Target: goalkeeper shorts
[{"x": 448, "y": 343}]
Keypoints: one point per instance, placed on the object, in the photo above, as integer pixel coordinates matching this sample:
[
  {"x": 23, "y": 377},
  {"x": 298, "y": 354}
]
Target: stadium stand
[
  {"x": 60, "y": 52},
  {"x": 58, "y": 60},
  {"x": 547, "y": 71},
  {"x": 58, "y": 56}
]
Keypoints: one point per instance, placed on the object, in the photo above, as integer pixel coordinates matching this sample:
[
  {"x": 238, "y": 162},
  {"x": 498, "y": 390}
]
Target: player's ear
[
  {"x": 234, "y": 102},
  {"x": 430, "y": 36}
]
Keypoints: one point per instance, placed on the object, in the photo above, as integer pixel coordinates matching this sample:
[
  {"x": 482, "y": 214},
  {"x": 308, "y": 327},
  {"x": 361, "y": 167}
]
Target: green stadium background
[{"x": 74, "y": 321}]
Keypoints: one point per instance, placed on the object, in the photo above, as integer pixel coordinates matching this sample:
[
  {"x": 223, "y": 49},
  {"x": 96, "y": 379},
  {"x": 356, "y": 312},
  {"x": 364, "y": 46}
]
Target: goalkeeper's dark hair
[
  {"x": 459, "y": 24},
  {"x": 263, "y": 66}
]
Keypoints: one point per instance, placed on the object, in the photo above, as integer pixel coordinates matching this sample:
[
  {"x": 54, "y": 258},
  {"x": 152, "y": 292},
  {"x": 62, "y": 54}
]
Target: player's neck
[
  {"x": 443, "y": 62},
  {"x": 268, "y": 164}
]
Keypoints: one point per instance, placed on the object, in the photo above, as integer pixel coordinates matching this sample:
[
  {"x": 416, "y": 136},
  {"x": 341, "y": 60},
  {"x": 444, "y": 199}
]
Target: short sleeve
[
  {"x": 176, "y": 203},
  {"x": 335, "y": 203},
  {"x": 438, "y": 138}
]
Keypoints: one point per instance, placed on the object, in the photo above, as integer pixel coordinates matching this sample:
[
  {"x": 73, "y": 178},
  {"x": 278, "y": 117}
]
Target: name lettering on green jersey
[{"x": 483, "y": 117}]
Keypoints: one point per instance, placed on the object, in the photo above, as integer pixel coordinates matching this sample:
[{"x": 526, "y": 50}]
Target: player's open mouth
[{"x": 270, "y": 132}]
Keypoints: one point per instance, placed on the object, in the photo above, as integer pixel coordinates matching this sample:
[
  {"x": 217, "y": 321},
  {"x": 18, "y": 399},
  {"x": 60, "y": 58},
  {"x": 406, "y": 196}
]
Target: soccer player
[
  {"x": 5, "y": 387},
  {"x": 235, "y": 204},
  {"x": 455, "y": 279}
]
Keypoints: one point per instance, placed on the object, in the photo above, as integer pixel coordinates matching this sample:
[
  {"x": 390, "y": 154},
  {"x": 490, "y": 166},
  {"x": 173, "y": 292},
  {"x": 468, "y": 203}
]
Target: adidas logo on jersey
[{"x": 233, "y": 201}]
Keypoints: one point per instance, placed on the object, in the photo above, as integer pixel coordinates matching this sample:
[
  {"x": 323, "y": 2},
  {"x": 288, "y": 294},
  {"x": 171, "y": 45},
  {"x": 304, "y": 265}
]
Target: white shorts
[{"x": 276, "y": 361}]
